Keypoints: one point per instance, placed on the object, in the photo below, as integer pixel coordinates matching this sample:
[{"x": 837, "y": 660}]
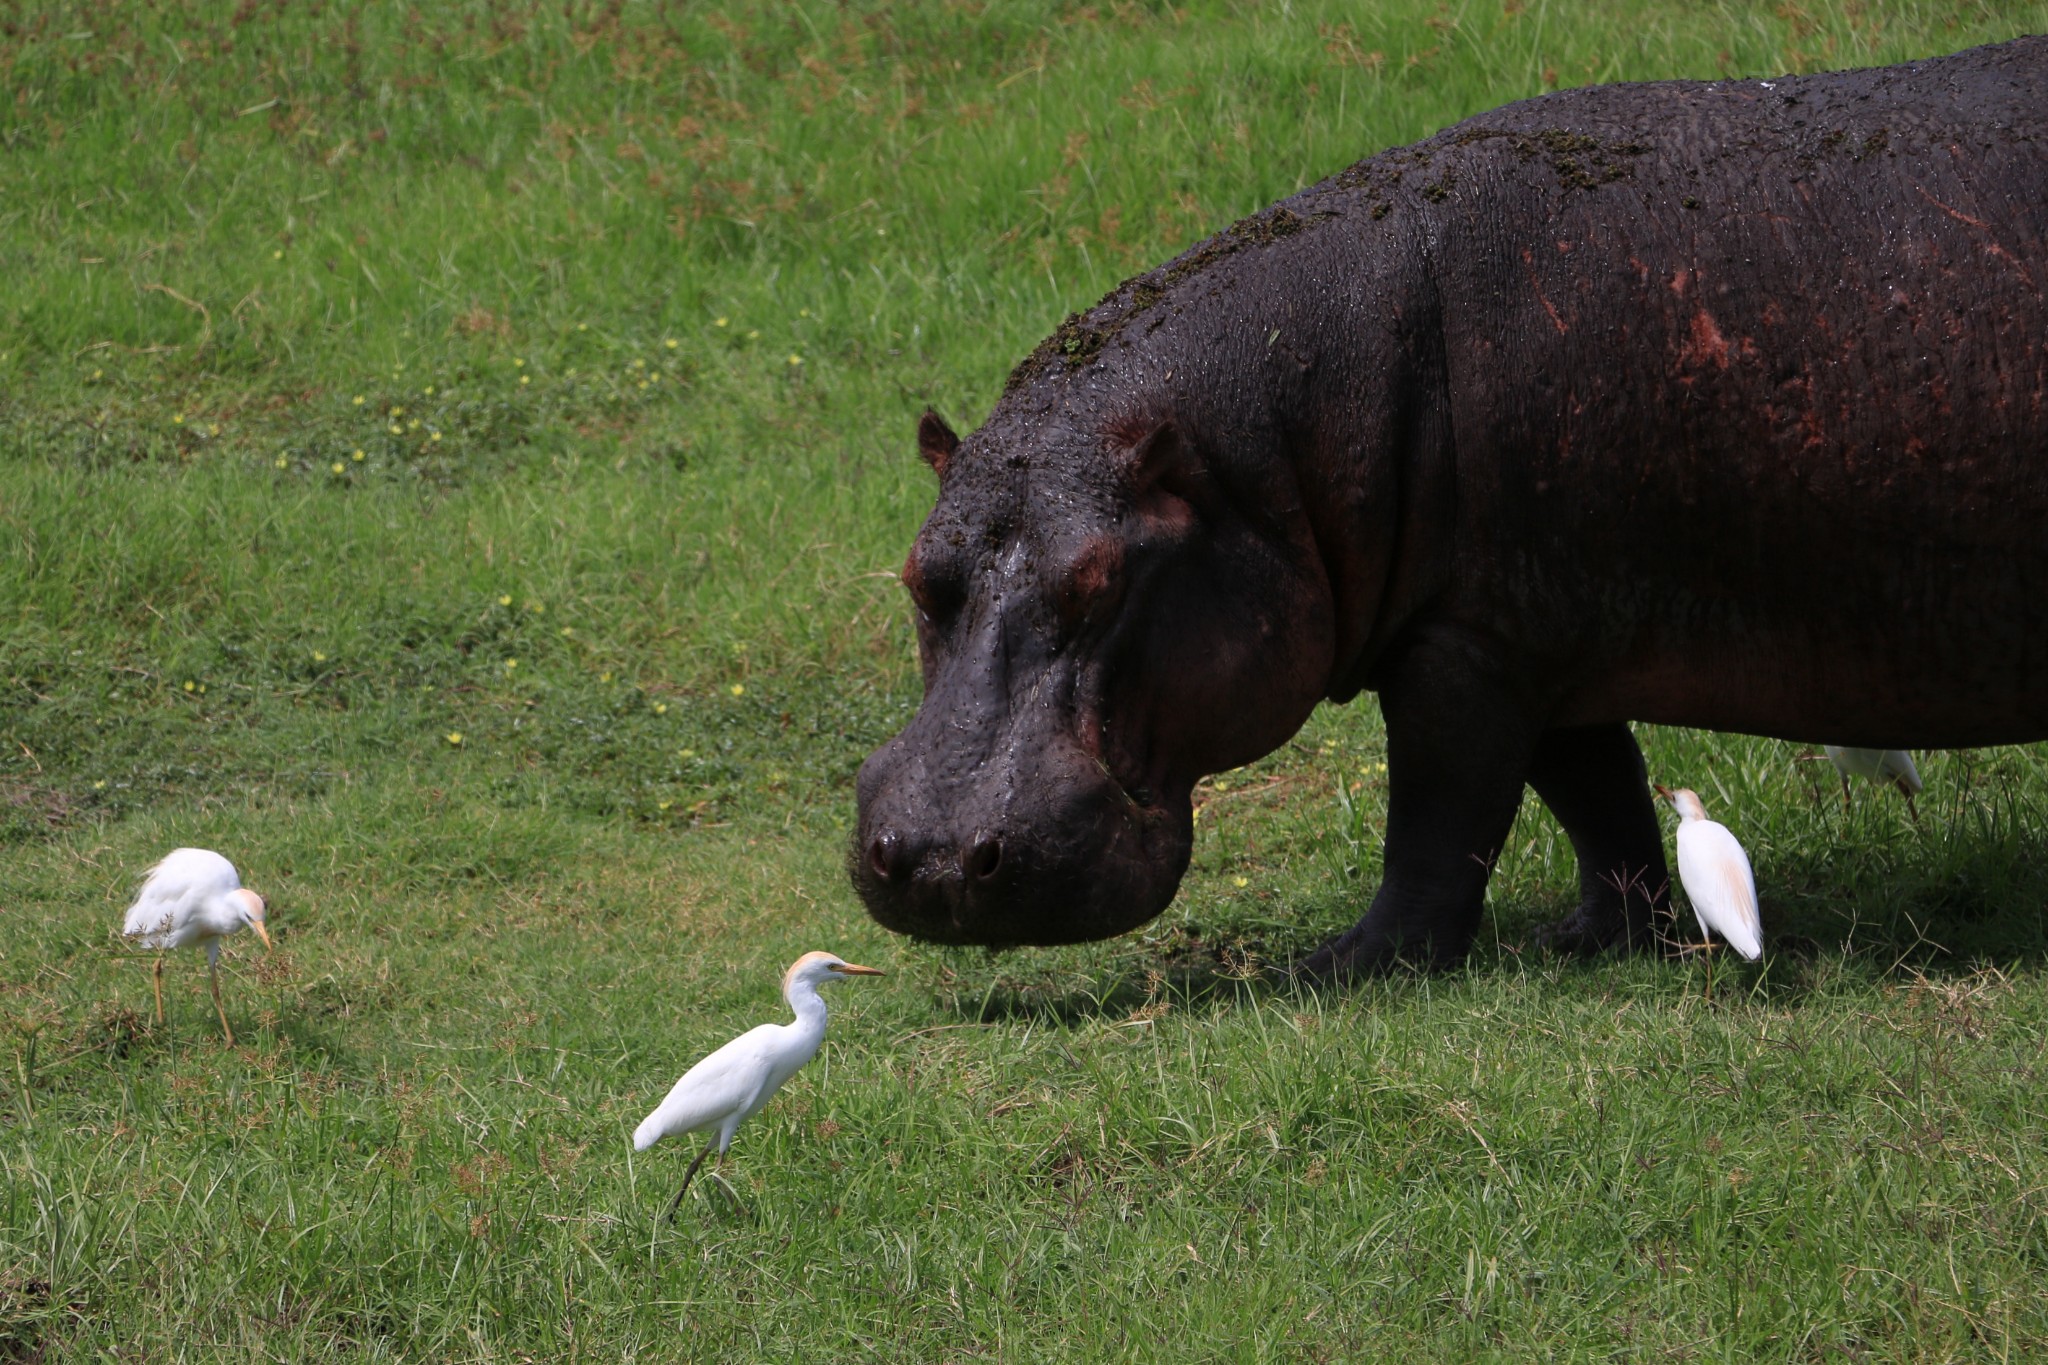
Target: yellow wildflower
[
  {"x": 339, "y": 466},
  {"x": 360, "y": 400},
  {"x": 796, "y": 360},
  {"x": 1239, "y": 882},
  {"x": 282, "y": 462},
  {"x": 505, "y": 600},
  {"x": 739, "y": 690},
  {"x": 526, "y": 379},
  {"x": 191, "y": 686},
  {"x": 318, "y": 657},
  {"x": 720, "y": 323},
  {"x": 455, "y": 737},
  {"x": 670, "y": 343},
  {"x": 661, "y": 708},
  {"x": 357, "y": 456}
]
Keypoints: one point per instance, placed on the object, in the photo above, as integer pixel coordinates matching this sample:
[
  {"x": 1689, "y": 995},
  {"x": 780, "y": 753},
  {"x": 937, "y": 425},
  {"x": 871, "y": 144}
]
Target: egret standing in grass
[
  {"x": 1886, "y": 767},
  {"x": 1715, "y": 873},
  {"x": 194, "y": 896},
  {"x": 727, "y": 1088}
]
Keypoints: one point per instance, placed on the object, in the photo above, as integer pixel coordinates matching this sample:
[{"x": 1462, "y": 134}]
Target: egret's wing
[
  {"x": 721, "y": 1086},
  {"x": 1897, "y": 766},
  {"x": 166, "y": 909},
  {"x": 1715, "y": 873}
]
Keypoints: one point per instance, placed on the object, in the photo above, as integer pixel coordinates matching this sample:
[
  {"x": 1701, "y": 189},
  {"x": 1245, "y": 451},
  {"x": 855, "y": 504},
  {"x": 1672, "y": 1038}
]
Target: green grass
[{"x": 639, "y": 560}]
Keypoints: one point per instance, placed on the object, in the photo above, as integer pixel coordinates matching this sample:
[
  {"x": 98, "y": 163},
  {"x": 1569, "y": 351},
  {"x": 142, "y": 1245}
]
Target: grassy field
[{"x": 454, "y": 458}]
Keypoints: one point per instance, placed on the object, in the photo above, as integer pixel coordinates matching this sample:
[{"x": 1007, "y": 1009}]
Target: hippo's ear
[
  {"x": 1158, "y": 460},
  {"x": 936, "y": 441},
  {"x": 1156, "y": 453}
]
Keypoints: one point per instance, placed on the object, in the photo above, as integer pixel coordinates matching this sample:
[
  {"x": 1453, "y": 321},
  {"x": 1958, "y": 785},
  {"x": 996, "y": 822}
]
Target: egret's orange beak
[
  {"x": 849, "y": 969},
  {"x": 1661, "y": 790},
  {"x": 261, "y": 933}
]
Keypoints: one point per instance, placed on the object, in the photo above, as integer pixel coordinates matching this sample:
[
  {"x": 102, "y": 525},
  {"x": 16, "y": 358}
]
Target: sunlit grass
[{"x": 454, "y": 459}]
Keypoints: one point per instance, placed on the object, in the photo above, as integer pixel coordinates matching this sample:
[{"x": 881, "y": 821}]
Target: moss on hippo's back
[
  {"x": 1580, "y": 161},
  {"x": 1081, "y": 337}
]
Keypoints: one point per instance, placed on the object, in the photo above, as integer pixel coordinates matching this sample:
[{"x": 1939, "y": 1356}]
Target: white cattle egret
[
  {"x": 1886, "y": 767},
  {"x": 727, "y": 1088},
  {"x": 193, "y": 896},
  {"x": 1714, "y": 871}
]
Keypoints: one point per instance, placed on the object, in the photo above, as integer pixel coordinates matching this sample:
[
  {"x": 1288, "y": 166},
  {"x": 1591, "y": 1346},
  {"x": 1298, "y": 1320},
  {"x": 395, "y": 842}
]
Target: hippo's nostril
[
  {"x": 885, "y": 856},
  {"x": 984, "y": 856}
]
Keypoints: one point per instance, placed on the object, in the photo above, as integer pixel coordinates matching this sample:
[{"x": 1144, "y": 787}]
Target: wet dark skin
[{"x": 1721, "y": 405}]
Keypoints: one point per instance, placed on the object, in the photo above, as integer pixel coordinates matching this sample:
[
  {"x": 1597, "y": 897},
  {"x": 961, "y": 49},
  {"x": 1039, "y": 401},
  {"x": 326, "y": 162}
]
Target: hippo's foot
[
  {"x": 1593, "y": 929},
  {"x": 1363, "y": 952}
]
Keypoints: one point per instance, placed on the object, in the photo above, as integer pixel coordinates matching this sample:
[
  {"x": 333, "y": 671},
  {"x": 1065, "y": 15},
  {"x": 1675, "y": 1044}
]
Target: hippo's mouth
[{"x": 1034, "y": 888}]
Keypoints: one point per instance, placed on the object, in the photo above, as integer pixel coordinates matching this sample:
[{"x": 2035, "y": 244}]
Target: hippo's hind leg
[
  {"x": 1458, "y": 746},
  {"x": 1592, "y": 779}
]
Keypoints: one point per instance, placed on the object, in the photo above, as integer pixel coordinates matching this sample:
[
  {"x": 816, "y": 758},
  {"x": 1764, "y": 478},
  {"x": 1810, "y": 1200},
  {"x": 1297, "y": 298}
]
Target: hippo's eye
[
  {"x": 935, "y": 592},
  {"x": 1090, "y": 580}
]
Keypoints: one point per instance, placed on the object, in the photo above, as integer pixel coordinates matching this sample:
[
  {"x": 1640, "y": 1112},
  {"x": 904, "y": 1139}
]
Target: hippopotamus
[{"x": 1716, "y": 404}]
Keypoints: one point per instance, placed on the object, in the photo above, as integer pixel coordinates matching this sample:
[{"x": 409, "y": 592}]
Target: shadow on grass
[{"x": 1128, "y": 989}]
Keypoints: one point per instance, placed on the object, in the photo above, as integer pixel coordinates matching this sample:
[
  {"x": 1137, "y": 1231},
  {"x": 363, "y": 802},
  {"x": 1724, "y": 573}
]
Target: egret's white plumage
[
  {"x": 1886, "y": 767},
  {"x": 1715, "y": 873},
  {"x": 727, "y": 1088},
  {"x": 193, "y": 896}
]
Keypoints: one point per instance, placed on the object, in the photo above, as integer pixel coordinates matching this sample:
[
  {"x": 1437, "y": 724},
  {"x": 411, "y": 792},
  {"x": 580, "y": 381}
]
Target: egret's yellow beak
[
  {"x": 849, "y": 969},
  {"x": 261, "y": 933}
]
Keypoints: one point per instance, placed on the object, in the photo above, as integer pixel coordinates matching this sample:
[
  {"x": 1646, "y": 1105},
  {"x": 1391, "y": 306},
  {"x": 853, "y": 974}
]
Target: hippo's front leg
[
  {"x": 1459, "y": 741},
  {"x": 1592, "y": 779}
]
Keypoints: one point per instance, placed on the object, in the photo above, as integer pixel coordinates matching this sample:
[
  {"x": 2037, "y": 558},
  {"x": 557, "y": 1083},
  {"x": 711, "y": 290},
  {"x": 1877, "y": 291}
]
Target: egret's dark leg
[
  {"x": 1911, "y": 809},
  {"x": 156, "y": 982},
  {"x": 1593, "y": 780},
  {"x": 213, "y": 977},
  {"x": 688, "y": 1176},
  {"x": 1845, "y": 792}
]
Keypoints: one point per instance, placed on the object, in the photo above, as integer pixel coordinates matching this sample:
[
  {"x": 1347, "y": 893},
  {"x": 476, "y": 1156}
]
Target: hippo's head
[{"x": 1104, "y": 614}]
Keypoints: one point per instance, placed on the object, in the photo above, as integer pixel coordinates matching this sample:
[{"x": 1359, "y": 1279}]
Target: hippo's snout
[{"x": 1035, "y": 855}]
